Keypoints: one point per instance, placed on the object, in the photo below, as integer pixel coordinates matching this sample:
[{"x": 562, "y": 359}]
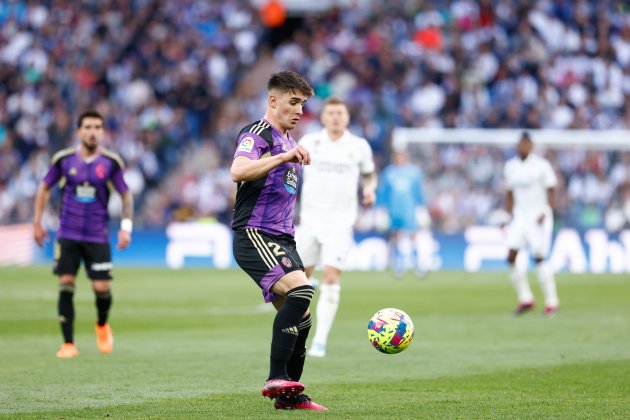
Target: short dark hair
[
  {"x": 89, "y": 114},
  {"x": 289, "y": 81},
  {"x": 525, "y": 136}
]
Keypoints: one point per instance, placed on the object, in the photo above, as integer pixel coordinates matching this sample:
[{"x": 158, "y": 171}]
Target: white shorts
[
  {"x": 326, "y": 246},
  {"x": 525, "y": 231}
]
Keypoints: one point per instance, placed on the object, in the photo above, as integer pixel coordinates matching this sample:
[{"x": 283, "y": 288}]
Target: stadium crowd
[
  {"x": 160, "y": 72},
  {"x": 155, "y": 69}
]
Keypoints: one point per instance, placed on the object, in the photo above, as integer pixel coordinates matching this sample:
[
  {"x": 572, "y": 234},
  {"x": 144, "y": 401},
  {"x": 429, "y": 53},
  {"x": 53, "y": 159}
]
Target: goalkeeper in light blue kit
[{"x": 401, "y": 194}]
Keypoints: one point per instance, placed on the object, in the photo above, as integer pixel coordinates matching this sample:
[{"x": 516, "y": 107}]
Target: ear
[{"x": 272, "y": 101}]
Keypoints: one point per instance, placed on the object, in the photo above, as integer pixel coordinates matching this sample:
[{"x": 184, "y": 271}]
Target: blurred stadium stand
[{"x": 176, "y": 80}]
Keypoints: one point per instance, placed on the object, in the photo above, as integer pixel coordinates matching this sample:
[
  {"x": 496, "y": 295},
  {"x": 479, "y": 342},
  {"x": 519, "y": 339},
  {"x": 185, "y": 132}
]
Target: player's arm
[
  {"x": 551, "y": 197},
  {"x": 41, "y": 201},
  {"x": 126, "y": 216},
  {"x": 509, "y": 202},
  {"x": 246, "y": 169},
  {"x": 126, "y": 222},
  {"x": 370, "y": 182}
]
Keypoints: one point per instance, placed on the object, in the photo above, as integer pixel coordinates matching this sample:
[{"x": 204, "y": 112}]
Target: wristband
[{"x": 126, "y": 225}]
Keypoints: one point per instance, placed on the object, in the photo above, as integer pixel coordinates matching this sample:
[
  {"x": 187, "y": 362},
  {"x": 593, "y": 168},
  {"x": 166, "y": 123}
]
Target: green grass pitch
[{"x": 195, "y": 344}]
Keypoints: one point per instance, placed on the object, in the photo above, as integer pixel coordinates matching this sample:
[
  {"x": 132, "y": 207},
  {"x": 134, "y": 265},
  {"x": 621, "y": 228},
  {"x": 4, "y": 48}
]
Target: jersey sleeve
[
  {"x": 367, "y": 161},
  {"x": 550, "y": 180},
  {"x": 118, "y": 180},
  {"x": 251, "y": 145},
  {"x": 53, "y": 175}
]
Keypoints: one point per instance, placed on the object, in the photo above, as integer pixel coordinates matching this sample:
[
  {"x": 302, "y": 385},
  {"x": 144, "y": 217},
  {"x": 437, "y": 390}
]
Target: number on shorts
[{"x": 275, "y": 248}]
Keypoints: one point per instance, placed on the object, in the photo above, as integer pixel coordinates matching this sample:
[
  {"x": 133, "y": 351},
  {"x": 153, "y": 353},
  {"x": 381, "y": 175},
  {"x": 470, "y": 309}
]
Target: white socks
[
  {"x": 521, "y": 285},
  {"x": 548, "y": 284},
  {"x": 546, "y": 280},
  {"x": 326, "y": 310}
]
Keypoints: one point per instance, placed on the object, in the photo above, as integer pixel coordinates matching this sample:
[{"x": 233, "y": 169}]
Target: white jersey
[
  {"x": 529, "y": 181},
  {"x": 331, "y": 181}
]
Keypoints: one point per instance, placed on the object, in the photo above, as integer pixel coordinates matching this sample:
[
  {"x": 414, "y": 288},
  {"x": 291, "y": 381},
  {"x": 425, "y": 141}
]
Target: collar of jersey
[{"x": 273, "y": 128}]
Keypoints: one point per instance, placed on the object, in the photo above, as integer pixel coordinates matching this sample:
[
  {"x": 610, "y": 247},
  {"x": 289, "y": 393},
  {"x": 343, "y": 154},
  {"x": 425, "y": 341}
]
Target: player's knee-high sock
[
  {"x": 326, "y": 310},
  {"x": 548, "y": 284},
  {"x": 103, "y": 303},
  {"x": 521, "y": 285},
  {"x": 296, "y": 362},
  {"x": 285, "y": 329},
  {"x": 65, "y": 310}
]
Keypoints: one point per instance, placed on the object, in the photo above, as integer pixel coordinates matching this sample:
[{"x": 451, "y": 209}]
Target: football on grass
[{"x": 390, "y": 330}]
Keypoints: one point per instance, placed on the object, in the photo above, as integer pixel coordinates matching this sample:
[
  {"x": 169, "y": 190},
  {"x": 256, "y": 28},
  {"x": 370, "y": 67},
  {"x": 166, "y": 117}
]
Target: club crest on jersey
[
  {"x": 100, "y": 171},
  {"x": 286, "y": 262},
  {"x": 246, "y": 145},
  {"x": 72, "y": 171},
  {"x": 291, "y": 180}
]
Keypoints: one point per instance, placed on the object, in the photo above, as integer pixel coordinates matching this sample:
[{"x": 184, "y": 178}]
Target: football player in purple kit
[
  {"x": 85, "y": 174},
  {"x": 267, "y": 167}
]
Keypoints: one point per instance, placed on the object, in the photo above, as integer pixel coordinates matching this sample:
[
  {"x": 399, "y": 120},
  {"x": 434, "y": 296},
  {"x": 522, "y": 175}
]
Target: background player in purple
[
  {"x": 84, "y": 174},
  {"x": 267, "y": 169}
]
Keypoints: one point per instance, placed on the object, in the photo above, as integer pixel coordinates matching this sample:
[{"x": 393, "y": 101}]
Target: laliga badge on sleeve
[{"x": 246, "y": 145}]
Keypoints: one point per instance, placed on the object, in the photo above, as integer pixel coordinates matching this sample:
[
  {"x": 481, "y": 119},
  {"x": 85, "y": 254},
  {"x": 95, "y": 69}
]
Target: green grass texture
[{"x": 195, "y": 344}]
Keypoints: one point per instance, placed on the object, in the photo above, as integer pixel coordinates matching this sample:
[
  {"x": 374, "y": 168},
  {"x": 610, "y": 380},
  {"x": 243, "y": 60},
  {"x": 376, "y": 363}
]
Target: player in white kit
[
  {"x": 329, "y": 206},
  {"x": 531, "y": 182}
]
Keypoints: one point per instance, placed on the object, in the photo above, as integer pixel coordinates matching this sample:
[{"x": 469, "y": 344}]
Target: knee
[
  {"x": 301, "y": 297},
  {"x": 100, "y": 287}
]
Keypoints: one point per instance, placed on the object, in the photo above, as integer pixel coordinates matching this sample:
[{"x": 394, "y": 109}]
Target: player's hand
[
  {"x": 369, "y": 197},
  {"x": 298, "y": 155},
  {"x": 124, "y": 239},
  {"x": 540, "y": 219},
  {"x": 40, "y": 234}
]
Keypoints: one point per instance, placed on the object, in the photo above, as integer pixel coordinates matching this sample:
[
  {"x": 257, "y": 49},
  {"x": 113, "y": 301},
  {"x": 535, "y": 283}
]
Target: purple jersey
[
  {"x": 85, "y": 189},
  {"x": 267, "y": 203}
]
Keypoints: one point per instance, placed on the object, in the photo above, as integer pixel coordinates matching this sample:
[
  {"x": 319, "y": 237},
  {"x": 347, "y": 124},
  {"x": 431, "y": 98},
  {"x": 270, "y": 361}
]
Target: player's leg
[
  {"x": 326, "y": 309},
  {"x": 309, "y": 249},
  {"x": 295, "y": 365},
  {"x": 335, "y": 248},
  {"x": 540, "y": 243},
  {"x": 67, "y": 261},
  {"x": 277, "y": 271},
  {"x": 516, "y": 238},
  {"x": 98, "y": 265},
  {"x": 295, "y": 400},
  {"x": 297, "y": 292},
  {"x": 396, "y": 255}
]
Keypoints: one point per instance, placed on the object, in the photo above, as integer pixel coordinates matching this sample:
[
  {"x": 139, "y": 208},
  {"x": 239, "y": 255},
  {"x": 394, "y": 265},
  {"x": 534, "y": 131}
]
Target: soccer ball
[{"x": 390, "y": 331}]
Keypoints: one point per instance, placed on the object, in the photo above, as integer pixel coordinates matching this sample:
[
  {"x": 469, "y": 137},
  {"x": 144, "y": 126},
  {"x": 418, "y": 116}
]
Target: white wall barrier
[
  {"x": 479, "y": 248},
  {"x": 207, "y": 240}
]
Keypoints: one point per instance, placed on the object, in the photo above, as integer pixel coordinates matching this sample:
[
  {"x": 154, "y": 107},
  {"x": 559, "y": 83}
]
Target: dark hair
[
  {"x": 89, "y": 114},
  {"x": 525, "y": 136},
  {"x": 289, "y": 81}
]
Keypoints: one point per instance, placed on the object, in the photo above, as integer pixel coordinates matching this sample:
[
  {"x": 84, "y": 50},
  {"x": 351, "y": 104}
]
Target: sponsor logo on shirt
[
  {"x": 246, "y": 145},
  {"x": 291, "y": 180},
  {"x": 85, "y": 193}
]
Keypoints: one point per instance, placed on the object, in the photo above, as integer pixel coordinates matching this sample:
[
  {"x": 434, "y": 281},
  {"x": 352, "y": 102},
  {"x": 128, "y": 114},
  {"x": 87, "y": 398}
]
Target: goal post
[{"x": 610, "y": 140}]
